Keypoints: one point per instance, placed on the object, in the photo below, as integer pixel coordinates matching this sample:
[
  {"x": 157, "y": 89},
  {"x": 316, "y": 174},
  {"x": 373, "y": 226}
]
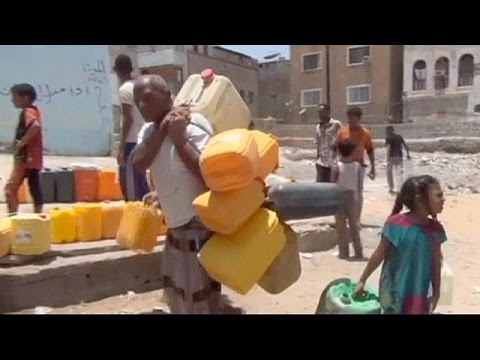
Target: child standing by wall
[
  {"x": 347, "y": 174},
  {"x": 410, "y": 250},
  {"x": 28, "y": 149}
]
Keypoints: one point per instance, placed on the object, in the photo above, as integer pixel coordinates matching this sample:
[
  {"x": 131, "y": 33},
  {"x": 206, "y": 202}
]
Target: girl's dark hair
[
  {"x": 24, "y": 90},
  {"x": 413, "y": 187}
]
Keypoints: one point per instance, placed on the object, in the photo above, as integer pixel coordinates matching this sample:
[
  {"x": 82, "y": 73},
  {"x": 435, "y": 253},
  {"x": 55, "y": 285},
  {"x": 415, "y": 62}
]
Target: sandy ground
[{"x": 318, "y": 269}]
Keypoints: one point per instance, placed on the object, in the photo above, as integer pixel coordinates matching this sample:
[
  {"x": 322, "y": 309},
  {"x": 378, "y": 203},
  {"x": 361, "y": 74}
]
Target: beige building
[
  {"x": 368, "y": 76},
  {"x": 441, "y": 80},
  {"x": 176, "y": 62},
  {"x": 274, "y": 89}
]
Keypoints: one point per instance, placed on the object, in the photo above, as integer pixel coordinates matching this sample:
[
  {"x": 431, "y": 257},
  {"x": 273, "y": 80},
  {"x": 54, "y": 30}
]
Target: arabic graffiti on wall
[{"x": 76, "y": 107}]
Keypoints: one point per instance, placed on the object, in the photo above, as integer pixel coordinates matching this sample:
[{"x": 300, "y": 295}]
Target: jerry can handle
[{"x": 345, "y": 299}]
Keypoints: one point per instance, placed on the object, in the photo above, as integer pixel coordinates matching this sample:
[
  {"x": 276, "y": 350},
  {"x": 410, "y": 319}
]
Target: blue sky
[{"x": 259, "y": 51}]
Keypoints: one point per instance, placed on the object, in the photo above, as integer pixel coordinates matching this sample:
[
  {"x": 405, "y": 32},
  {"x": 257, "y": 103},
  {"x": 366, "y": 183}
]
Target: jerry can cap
[{"x": 207, "y": 75}]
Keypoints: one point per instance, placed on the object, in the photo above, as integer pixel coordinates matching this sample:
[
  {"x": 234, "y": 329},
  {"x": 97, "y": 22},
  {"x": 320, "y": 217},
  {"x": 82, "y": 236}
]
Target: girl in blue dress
[{"x": 410, "y": 250}]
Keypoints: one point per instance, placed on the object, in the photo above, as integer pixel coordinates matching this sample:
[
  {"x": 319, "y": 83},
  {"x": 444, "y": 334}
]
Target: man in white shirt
[
  {"x": 170, "y": 147},
  {"x": 133, "y": 182},
  {"x": 326, "y": 133}
]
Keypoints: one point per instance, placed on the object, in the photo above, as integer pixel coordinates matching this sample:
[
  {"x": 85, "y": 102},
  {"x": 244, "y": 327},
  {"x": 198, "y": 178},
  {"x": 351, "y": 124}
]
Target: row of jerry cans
[
  {"x": 134, "y": 225},
  {"x": 93, "y": 222},
  {"x": 248, "y": 238},
  {"x": 76, "y": 184},
  {"x": 85, "y": 222}
]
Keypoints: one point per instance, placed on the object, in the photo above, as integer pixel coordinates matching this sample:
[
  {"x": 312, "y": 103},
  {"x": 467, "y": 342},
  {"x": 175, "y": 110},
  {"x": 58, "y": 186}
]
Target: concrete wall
[
  {"x": 415, "y": 107},
  {"x": 433, "y": 127},
  {"x": 243, "y": 77},
  {"x": 274, "y": 89},
  {"x": 73, "y": 84}
]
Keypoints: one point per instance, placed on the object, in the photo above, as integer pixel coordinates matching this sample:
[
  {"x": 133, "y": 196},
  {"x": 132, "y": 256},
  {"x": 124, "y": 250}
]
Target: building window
[
  {"x": 242, "y": 94},
  {"x": 419, "y": 75},
  {"x": 312, "y": 61},
  {"x": 195, "y": 48},
  {"x": 465, "y": 70},
  {"x": 442, "y": 72},
  {"x": 358, "y": 55},
  {"x": 358, "y": 94},
  {"x": 250, "y": 97},
  {"x": 477, "y": 108},
  {"x": 310, "y": 97}
]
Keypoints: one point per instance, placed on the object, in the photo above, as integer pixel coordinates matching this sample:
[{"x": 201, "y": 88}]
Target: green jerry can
[{"x": 339, "y": 298}]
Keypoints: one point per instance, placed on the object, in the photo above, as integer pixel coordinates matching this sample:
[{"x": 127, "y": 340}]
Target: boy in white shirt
[{"x": 347, "y": 174}]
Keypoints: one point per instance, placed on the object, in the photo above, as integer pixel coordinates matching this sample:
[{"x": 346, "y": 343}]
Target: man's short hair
[
  {"x": 355, "y": 111},
  {"x": 123, "y": 64},
  {"x": 389, "y": 128},
  {"x": 24, "y": 90},
  {"x": 323, "y": 107}
]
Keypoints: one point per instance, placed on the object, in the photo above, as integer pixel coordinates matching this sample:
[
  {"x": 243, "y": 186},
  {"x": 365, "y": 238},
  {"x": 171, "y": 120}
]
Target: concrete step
[
  {"x": 84, "y": 272},
  {"x": 81, "y": 272}
]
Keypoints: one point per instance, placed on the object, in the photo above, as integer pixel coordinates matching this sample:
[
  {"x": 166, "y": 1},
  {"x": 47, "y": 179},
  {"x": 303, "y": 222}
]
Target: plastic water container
[
  {"x": 47, "y": 185},
  {"x": 108, "y": 186},
  {"x": 268, "y": 152},
  {"x": 230, "y": 160},
  {"x": 31, "y": 234},
  {"x": 86, "y": 181},
  {"x": 285, "y": 269},
  {"x": 446, "y": 287},
  {"x": 225, "y": 212},
  {"x": 88, "y": 219},
  {"x": 140, "y": 227},
  {"x": 24, "y": 193},
  {"x": 341, "y": 299},
  {"x": 111, "y": 218},
  {"x": 240, "y": 260},
  {"x": 63, "y": 226},
  {"x": 5, "y": 237},
  {"x": 216, "y": 98},
  {"x": 65, "y": 185}
]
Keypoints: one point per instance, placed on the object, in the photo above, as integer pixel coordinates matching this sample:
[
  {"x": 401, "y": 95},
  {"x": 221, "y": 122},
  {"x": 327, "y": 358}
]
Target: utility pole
[{"x": 327, "y": 68}]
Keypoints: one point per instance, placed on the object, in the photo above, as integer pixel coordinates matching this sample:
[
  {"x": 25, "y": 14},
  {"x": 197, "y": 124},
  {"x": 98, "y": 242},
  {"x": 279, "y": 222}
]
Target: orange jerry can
[
  {"x": 86, "y": 178},
  {"x": 108, "y": 186},
  {"x": 23, "y": 193}
]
